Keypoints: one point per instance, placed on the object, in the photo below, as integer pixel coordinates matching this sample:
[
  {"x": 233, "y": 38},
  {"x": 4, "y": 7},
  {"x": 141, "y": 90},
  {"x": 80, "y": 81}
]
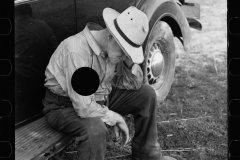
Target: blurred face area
[{"x": 114, "y": 51}]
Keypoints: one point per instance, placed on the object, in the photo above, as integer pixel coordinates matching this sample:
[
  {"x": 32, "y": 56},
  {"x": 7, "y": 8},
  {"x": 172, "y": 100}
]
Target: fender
[
  {"x": 177, "y": 22},
  {"x": 19, "y": 2}
]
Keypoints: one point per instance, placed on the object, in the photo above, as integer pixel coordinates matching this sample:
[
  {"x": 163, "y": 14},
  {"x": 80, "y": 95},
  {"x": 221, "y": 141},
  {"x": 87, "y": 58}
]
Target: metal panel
[
  {"x": 58, "y": 14},
  {"x": 19, "y": 2},
  {"x": 37, "y": 139},
  {"x": 60, "y": 17},
  {"x": 191, "y": 10},
  {"x": 91, "y": 10}
]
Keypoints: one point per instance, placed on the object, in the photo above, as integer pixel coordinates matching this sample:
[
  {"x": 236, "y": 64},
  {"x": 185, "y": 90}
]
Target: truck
[{"x": 34, "y": 139}]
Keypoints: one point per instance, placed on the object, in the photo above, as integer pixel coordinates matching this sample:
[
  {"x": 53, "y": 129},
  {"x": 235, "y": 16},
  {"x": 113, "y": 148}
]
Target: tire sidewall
[{"x": 162, "y": 32}]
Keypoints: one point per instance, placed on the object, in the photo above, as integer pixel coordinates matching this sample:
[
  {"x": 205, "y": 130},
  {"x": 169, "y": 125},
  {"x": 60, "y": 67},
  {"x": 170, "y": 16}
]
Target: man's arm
[
  {"x": 85, "y": 106},
  {"x": 73, "y": 53}
]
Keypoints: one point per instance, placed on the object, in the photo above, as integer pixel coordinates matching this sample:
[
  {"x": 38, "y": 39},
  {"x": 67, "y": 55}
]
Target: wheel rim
[{"x": 155, "y": 63}]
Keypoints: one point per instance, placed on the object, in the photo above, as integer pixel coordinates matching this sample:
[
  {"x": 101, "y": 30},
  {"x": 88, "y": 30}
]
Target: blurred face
[{"x": 114, "y": 51}]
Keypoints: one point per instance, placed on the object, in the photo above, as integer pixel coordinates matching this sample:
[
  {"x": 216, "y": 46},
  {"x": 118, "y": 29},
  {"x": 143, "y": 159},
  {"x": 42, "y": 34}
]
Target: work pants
[{"x": 91, "y": 133}]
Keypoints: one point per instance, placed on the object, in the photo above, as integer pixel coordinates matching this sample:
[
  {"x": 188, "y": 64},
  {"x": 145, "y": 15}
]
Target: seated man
[{"x": 114, "y": 53}]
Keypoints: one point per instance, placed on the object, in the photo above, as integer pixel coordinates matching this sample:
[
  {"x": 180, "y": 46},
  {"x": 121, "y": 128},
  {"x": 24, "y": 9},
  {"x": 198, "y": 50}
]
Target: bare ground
[{"x": 193, "y": 118}]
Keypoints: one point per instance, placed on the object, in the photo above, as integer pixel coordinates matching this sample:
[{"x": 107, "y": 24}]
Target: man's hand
[{"x": 121, "y": 125}]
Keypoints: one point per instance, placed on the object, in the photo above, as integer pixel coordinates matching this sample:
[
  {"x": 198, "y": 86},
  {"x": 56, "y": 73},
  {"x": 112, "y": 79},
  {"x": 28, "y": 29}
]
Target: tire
[{"x": 159, "y": 62}]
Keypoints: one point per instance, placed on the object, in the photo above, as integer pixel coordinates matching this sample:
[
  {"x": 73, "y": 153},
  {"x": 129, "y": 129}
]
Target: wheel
[{"x": 159, "y": 62}]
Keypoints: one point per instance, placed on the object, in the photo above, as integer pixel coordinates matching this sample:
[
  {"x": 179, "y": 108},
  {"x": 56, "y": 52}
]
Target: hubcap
[{"x": 155, "y": 64}]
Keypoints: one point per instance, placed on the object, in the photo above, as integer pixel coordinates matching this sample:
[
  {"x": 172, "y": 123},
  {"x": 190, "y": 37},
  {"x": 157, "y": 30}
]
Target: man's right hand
[{"x": 121, "y": 124}]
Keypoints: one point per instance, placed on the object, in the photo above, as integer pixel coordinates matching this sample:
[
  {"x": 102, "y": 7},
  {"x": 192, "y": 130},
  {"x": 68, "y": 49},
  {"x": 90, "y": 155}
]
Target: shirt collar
[{"x": 90, "y": 39}]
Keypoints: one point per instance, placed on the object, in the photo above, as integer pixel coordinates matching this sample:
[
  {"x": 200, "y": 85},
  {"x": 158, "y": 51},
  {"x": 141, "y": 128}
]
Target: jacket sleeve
[
  {"x": 130, "y": 79},
  {"x": 85, "y": 106}
]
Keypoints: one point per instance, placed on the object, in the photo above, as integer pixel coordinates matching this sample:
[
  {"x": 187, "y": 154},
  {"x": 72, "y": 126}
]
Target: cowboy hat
[{"x": 129, "y": 29}]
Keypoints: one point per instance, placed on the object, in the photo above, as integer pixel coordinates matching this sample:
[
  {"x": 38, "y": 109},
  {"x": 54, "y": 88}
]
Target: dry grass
[{"x": 199, "y": 90}]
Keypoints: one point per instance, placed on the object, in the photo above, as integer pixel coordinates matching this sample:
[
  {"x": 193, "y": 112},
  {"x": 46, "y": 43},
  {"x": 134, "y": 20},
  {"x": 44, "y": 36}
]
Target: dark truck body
[{"x": 34, "y": 138}]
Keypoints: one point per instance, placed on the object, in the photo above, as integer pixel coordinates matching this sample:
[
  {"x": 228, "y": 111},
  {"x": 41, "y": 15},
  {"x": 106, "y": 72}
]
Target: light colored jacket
[{"x": 82, "y": 50}]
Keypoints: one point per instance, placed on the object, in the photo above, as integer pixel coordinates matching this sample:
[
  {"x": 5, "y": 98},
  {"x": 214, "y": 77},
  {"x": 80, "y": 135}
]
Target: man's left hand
[{"x": 119, "y": 128}]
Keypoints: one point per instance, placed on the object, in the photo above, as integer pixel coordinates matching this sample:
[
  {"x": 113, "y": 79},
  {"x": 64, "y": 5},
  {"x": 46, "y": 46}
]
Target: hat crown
[{"x": 134, "y": 24}]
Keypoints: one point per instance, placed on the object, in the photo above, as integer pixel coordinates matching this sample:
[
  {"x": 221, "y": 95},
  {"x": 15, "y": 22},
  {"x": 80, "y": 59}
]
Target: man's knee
[
  {"x": 148, "y": 92},
  {"x": 97, "y": 128},
  {"x": 148, "y": 98}
]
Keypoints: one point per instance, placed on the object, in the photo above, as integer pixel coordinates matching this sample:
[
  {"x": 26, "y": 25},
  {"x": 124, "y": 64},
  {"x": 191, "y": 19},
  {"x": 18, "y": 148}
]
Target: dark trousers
[{"x": 91, "y": 133}]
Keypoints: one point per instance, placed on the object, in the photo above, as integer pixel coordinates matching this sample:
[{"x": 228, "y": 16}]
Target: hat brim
[{"x": 136, "y": 54}]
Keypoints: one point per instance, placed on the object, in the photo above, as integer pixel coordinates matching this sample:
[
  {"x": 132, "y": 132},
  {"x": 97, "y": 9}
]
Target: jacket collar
[{"x": 91, "y": 40}]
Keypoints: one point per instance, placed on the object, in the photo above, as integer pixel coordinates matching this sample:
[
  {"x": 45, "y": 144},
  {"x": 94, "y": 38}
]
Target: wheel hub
[{"x": 155, "y": 63}]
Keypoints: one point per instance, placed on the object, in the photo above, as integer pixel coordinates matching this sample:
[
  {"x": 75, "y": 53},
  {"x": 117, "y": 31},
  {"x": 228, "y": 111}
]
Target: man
[
  {"x": 34, "y": 45},
  {"x": 114, "y": 53}
]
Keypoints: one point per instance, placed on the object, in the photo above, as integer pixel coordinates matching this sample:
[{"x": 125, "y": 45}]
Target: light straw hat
[{"x": 129, "y": 29}]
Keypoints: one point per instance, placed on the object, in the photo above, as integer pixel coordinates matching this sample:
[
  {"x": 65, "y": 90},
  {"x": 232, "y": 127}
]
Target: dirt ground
[{"x": 192, "y": 121}]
